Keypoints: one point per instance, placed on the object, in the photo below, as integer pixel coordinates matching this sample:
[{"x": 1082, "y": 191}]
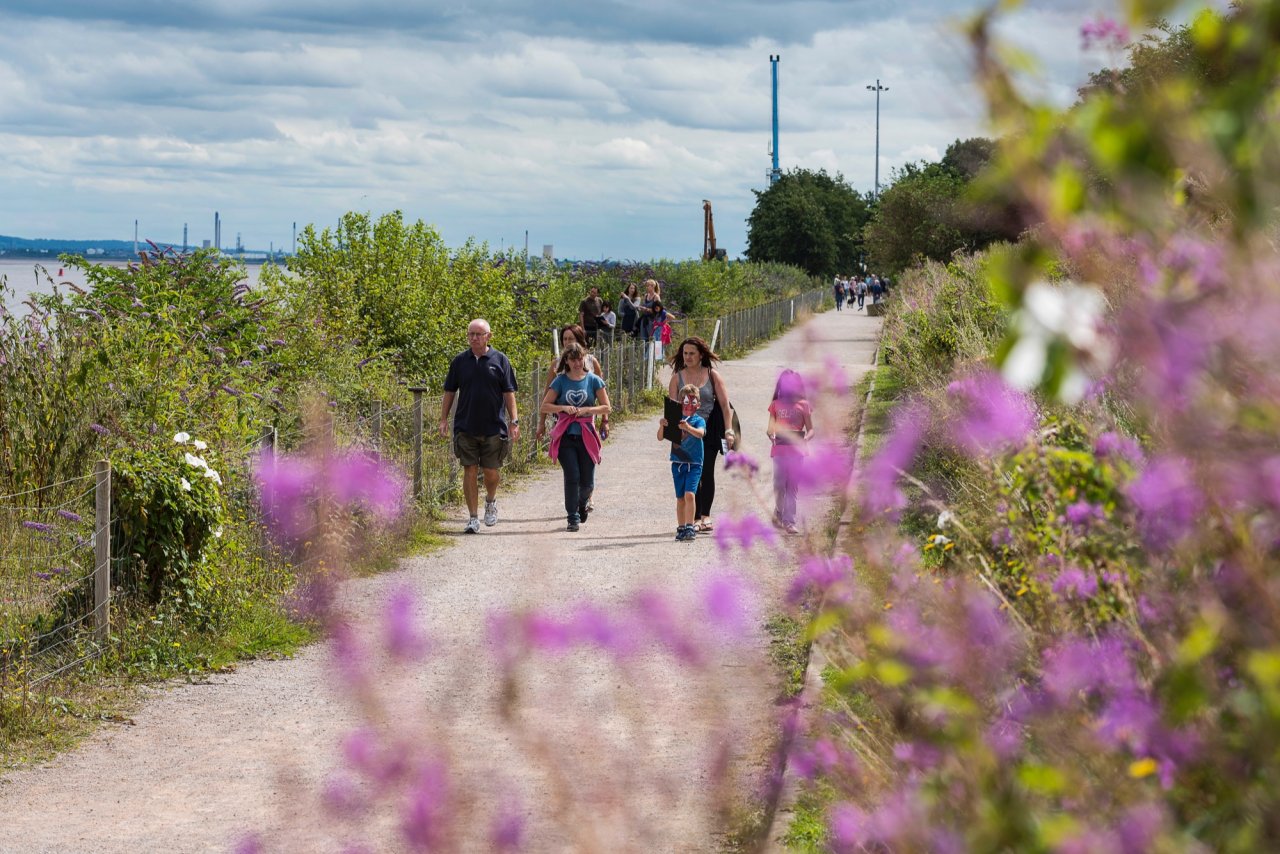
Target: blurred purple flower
[
  {"x": 405, "y": 641},
  {"x": 727, "y": 603},
  {"x": 423, "y": 824},
  {"x": 848, "y": 825},
  {"x": 744, "y": 532},
  {"x": 250, "y": 843},
  {"x": 341, "y": 798},
  {"x": 99, "y": 429},
  {"x": 42, "y": 527},
  {"x": 232, "y": 390},
  {"x": 363, "y": 479},
  {"x": 69, "y": 516},
  {"x": 737, "y": 459},
  {"x": 1140, "y": 828},
  {"x": 992, "y": 414},
  {"x": 44, "y": 576},
  {"x": 1111, "y": 444},
  {"x": 1082, "y": 514},
  {"x": 507, "y": 833},
  {"x": 287, "y": 488},
  {"x": 1002, "y": 537},
  {"x": 1076, "y": 583},
  {"x": 1167, "y": 500},
  {"x": 880, "y": 492},
  {"x": 827, "y": 465},
  {"x": 1128, "y": 720},
  {"x": 819, "y": 573},
  {"x": 1104, "y": 32},
  {"x": 1075, "y": 665}
]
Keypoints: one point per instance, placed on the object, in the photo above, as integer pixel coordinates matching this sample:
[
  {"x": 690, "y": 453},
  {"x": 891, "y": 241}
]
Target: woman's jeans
[
  {"x": 579, "y": 473},
  {"x": 784, "y": 488}
]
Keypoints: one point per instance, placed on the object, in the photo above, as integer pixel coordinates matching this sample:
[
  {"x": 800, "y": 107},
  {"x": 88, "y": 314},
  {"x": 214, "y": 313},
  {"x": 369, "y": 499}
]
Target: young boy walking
[{"x": 686, "y": 460}]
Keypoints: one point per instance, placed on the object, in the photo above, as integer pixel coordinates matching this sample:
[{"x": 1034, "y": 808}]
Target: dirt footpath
[{"x": 596, "y": 756}]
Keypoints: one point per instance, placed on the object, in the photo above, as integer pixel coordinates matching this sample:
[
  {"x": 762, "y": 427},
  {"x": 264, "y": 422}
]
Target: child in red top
[{"x": 790, "y": 428}]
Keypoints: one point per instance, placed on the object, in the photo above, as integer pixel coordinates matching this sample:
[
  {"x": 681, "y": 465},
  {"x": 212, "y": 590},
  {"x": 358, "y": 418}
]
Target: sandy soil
[{"x": 590, "y": 756}]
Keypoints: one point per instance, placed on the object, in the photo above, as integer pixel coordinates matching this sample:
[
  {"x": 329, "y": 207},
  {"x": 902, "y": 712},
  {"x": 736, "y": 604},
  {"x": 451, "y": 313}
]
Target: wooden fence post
[
  {"x": 417, "y": 440},
  {"x": 102, "y": 552}
]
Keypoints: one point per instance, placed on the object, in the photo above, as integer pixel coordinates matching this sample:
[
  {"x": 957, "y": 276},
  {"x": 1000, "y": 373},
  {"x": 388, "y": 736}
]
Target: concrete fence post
[{"x": 102, "y": 552}]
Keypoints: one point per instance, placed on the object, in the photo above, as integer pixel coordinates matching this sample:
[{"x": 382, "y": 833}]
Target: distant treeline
[{"x": 24, "y": 247}]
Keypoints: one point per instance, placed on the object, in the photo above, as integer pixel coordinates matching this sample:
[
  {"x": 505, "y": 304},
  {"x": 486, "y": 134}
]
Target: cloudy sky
[{"x": 598, "y": 126}]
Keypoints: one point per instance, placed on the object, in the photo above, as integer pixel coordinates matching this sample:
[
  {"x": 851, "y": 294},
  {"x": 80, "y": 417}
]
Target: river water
[{"x": 24, "y": 278}]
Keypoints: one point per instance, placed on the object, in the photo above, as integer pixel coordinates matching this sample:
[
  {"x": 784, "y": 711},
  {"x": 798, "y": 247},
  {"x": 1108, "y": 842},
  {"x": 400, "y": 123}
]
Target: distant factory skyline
[{"x": 599, "y": 129}]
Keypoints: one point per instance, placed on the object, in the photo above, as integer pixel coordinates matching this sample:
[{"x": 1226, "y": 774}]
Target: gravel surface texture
[{"x": 587, "y": 753}]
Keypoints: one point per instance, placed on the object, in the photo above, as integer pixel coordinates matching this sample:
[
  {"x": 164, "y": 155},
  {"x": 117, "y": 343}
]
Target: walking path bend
[{"x": 633, "y": 747}]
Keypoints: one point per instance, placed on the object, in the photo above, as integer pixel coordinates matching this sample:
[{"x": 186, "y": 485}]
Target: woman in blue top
[{"x": 577, "y": 397}]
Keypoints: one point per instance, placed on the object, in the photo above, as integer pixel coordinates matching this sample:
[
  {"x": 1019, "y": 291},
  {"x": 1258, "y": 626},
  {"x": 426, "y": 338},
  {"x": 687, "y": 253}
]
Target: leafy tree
[{"x": 809, "y": 219}]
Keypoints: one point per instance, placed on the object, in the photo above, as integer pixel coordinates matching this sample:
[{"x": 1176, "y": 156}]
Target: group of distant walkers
[
  {"x": 486, "y": 419},
  {"x": 642, "y": 317},
  {"x": 847, "y": 289}
]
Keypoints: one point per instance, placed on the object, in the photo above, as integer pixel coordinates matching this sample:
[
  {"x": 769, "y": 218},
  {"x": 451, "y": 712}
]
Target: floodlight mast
[{"x": 878, "y": 89}]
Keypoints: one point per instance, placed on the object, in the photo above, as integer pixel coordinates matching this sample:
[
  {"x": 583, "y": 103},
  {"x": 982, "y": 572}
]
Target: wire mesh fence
[
  {"x": 47, "y": 570},
  {"x": 53, "y": 583}
]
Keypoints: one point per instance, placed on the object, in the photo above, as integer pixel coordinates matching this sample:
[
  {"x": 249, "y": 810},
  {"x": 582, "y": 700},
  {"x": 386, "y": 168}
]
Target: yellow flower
[{"x": 1142, "y": 768}]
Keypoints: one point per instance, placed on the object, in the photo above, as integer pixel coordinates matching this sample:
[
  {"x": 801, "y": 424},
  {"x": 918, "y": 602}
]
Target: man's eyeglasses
[{"x": 477, "y": 334}]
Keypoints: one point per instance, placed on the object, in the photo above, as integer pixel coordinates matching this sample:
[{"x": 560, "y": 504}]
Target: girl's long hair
[
  {"x": 790, "y": 387},
  {"x": 579, "y": 334}
]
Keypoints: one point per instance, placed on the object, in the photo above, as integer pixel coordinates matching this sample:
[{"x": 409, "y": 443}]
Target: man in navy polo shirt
[{"x": 482, "y": 379}]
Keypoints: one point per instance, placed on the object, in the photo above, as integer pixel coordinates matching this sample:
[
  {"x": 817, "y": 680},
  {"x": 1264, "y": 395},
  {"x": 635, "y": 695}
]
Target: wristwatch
[{"x": 514, "y": 421}]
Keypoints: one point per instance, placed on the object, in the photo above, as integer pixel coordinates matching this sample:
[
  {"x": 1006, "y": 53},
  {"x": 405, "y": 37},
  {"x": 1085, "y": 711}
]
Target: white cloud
[{"x": 600, "y": 128}]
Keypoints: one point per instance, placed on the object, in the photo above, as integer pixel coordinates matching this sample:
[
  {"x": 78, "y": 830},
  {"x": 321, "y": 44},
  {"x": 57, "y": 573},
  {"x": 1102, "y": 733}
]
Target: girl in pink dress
[{"x": 790, "y": 428}]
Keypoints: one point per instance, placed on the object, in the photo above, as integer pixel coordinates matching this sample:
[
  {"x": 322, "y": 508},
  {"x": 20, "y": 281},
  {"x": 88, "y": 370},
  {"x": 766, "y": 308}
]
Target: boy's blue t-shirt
[
  {"x": 690, "y": 448},
  {"x": 576, "y": 393}
]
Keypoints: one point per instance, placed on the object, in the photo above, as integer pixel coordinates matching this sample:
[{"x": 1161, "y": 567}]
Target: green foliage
[
  {"x": 808, "y": 219},
  {"x": 165, "y": 510},
  {"x": 942, "y": 316},
  {"x": 789, "y": 651}
]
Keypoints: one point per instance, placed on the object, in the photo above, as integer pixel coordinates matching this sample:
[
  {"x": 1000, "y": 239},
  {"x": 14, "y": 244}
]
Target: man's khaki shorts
[{"x": 488, "y": 452}]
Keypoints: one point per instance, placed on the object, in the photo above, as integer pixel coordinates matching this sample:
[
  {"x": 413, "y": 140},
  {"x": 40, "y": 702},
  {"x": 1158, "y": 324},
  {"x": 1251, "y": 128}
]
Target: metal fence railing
[{"x": 55, "y": 548}]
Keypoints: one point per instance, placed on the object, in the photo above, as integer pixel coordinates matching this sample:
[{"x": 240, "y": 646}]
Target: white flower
[
  {"x": 217, "y": 532},
  {"x": 945, "y": 518},
  {"x": 186, "y": 484},
  {"x": 182, "y": 438},
  {"x": 197, "y": 462},
  {"x": 200, "y": 445},
  {"x": 1069, "y": 313},
  {"x": 940, "y": 539},
  {"x": 213, "y": 476}
]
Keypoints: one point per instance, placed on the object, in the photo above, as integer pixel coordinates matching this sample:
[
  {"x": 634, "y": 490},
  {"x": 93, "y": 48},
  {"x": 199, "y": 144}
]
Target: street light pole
[{"x": 878, "y": 89}]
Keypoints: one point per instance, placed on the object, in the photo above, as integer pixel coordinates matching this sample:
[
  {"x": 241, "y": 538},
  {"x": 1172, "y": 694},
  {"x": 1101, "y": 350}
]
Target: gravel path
[{"x": 633, "y": 750}]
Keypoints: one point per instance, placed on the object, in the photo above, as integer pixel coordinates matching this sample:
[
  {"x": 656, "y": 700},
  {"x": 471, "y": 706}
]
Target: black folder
[{"x": 672, "y": 411}]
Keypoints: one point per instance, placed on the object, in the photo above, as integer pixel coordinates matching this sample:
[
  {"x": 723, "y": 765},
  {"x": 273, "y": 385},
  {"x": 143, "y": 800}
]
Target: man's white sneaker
[
  {"x": 491, "y": 513},
  {"x": 473, "y": 526}
]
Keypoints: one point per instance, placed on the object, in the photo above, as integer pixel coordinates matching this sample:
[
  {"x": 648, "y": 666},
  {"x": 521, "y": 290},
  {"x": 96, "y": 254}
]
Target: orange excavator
[{"x": 709, "y": 250}]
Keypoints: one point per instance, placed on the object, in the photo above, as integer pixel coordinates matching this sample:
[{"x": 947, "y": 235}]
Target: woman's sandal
[{"x": 705, "y": 526}]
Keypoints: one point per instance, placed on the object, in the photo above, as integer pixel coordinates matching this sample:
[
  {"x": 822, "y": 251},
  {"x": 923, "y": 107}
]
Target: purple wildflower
[
  {"x": 232, "y": 390},
  {"x": 1002, "y": 538},
  {"x": 880, "y": 492},
  {"x": 1081, "y": 515},
  {"x": 820, "y": 573},
  {"x": 250, "y": 843},
  {"x": 744, "y": 532},
  {"x": 507, "y": 833},
  {"x": 992, "y": 414},
  {"x": 246, "y": 364},
  {"x": 423, "y": 822},
  {"x": 1140, "y": 827},
  {"x": 99, "y": 429},
  {"x": 1167, "y": 500},
  {"x": 341, "y": 798},
  {"x": 726, "y": 601},
  {"x": 1074, "y": 665},
  {"x": 44, "y": 576},
  {"x": 1075, "y": 583},
  {"x": 38, "y": 526},
  {"x": 848, "y": 825},
  {"x": 287, "y": 487},
  {"x": 405, "y": 642},
  {"x": 827, "y": 465},
  {"x": 737, "y": 459},
  {"x": 366, "y": 480},
  {"x": 1111, "y": 444},
  {"x": 1104, "y": 32}
]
